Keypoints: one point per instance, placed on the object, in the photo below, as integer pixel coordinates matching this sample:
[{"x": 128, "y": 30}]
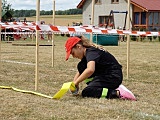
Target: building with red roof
[{"x": 145, "y": 14}]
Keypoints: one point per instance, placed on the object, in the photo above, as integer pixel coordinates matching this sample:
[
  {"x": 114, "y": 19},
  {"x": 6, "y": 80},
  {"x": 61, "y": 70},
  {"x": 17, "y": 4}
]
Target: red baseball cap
[{"x": 70, "y": 43}]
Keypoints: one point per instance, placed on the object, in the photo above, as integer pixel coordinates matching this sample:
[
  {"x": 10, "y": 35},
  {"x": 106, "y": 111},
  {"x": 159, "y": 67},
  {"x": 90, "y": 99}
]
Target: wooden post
[
  {"x": 128, "y": 39},
  {"x": 37, "y": 46},
  {"x": 53, "y": 34},
  {"x": 5, "y": 36},
  {"x": 92, "y": 19},
  {"x": 32, "y": 35}
]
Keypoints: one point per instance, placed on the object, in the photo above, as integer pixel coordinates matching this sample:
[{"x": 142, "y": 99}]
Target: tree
[
  {"x": 7, "y": 11},
  {"x": 7, "y": 7},
  {"x": 29, "y": 13}
]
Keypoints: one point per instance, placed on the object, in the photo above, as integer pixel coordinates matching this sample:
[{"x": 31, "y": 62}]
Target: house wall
[
  {"x": 136, "y": 9},
  {"x": 87, "y": 10},
  {"x": 104, "y": 10}
]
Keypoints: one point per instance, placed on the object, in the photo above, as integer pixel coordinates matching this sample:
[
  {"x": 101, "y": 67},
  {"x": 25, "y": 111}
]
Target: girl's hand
[{"x": 74, "y": 89}]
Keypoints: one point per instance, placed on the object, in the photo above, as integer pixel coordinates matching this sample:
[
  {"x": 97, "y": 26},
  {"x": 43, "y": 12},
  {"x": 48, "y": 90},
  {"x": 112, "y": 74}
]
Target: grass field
[
  {"x": 62, "y": 20},
  {"x": 143, "y": 82}
]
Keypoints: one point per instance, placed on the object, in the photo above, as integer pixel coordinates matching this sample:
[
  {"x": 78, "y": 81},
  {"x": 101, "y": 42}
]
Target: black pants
[{"x": 95, "y": 87}]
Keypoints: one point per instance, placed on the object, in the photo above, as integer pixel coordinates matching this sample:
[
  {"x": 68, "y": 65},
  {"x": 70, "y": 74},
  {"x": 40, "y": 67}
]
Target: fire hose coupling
[{"x": 74, "y": 89}]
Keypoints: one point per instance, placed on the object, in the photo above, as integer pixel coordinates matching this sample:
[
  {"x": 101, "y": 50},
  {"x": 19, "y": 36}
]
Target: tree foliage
[
  {"x": 29, "y": 13},
  {"x": 7, "y": 7},
  {"x": 7, "y": 11},
  {"x": 24, "y": 13}
]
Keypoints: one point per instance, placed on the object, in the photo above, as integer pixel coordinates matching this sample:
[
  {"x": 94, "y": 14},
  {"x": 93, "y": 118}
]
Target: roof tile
[{"x": 146, "y": 4}]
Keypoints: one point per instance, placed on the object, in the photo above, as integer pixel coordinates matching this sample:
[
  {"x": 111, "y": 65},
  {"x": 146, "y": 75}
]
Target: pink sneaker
[{"x": 125, "y": 93}]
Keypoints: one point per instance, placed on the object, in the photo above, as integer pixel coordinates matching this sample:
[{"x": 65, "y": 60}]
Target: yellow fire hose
[{"x": 65, "y": 87}]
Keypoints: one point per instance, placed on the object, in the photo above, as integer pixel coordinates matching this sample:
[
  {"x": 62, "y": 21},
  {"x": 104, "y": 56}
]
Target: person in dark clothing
[{"x": 98, "y": 68}]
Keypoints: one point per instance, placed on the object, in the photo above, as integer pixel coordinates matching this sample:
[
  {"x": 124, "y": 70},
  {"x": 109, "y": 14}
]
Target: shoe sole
[{"x": 125, "y": 93}]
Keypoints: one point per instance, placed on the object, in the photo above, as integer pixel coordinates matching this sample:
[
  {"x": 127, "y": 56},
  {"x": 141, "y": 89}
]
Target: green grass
[{"x": 143, "y": 82}]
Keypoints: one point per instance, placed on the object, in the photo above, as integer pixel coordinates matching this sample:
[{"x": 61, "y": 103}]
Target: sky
[{"x": 44, "y": 4}]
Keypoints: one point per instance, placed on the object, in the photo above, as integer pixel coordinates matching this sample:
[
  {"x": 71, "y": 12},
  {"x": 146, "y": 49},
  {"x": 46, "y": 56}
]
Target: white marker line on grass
[
  {"x": 135, "y": 114},
  {"x": 144, "y": 115},
  {"x": 17, "y": 62},
  {"x": 155, "y": 117}
]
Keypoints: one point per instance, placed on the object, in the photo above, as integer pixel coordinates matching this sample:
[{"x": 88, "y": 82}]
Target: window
[
  {"x": 97, "y": 1},
  {"x": 151, "y": 19},
  {"x": 140, "y": 18},
  {"x": 159, "y": 19},
  {"x": 156, "y": 18},
  {"x": 143, "y": 20},
  {"x": 136, "y": 18},
  {"x": 114, "y": 1},
  {"x": 105, "y": 21}
]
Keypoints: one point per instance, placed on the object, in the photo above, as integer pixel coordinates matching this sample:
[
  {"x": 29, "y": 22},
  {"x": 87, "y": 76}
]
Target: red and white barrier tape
[{"x": 70, "y": 29}]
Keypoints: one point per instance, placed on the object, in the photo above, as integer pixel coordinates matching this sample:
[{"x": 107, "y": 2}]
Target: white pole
[
  {"x": 92, "y": 19},
  {"x": 128, "y": 39},
  {"x": 53, "y": 34},
  {"x": 0, "y": 29},
  {"x": 37, "y": 46}
]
